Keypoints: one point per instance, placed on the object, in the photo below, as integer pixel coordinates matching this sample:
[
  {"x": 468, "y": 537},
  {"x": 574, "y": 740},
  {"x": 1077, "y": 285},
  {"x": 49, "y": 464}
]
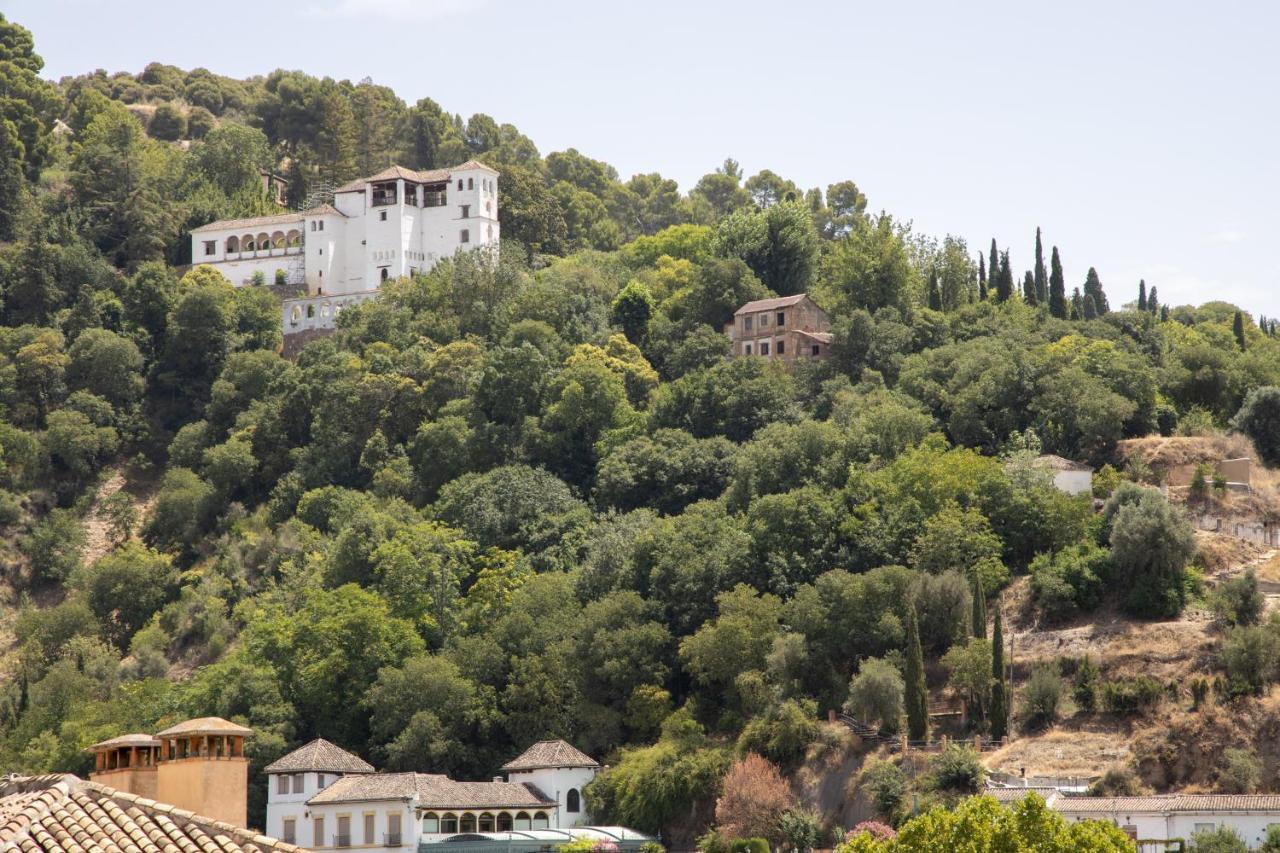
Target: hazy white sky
[{"x": 1142, "y": 136}]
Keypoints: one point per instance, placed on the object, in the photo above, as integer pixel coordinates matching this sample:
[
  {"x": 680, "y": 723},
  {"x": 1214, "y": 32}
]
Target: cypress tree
[
  {"x": 982, "y": 278},
  {"x": 1152, "y": 305},
  {"x": 1237, "y": 326},
  {"x": 1077, "y": 305},
  {"x": 1004, "y": 282},
  {"x": 917, "y": 698},
  {"x": 979, "y": 618},
  {"x": 1089, "y": 309},
  {"x": 935, "y": 293},
  {"x": 1142, "y": 295},
  {"x": 1041, "y": 277},
  {"x": 1164, "y": 313},
  {"x": 1057, "y": 287},
  {"x": 1093, "y": 287},
  {"x": 1029, "y": 288},
  {"x": 993, "y": 266},
  {"x": 999, "y": 698}
]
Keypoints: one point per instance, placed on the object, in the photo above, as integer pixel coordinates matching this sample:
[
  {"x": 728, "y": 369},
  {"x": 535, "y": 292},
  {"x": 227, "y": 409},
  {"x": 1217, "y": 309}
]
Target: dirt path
[{"x": 97, "y": 526}]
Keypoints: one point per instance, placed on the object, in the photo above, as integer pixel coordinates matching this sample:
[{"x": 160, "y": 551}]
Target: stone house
[{"x": 784, "y": 327}]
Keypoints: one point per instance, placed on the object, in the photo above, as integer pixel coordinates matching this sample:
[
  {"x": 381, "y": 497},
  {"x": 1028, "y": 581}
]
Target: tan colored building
[
  {"x": 198, "y": 765},
  {"x": 64, "y": 814},
  {"x": 785, "y": 327}
]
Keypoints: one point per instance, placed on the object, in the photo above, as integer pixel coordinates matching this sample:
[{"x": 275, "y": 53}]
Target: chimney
[{"x": 203, "y": 768}]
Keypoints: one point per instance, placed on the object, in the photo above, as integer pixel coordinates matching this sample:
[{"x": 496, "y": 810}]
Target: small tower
[
  {"x": 127, "y": 763},
  {"x": 560, "y": 771},
  {"x": 202, "y": 767}
]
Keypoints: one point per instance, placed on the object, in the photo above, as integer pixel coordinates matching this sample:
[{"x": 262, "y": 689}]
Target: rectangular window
[
  {"x": 343, "y": 838},
  {"x": 321, "y": 224},
  {"x": 782, "y": 318},
  {"x": 464, "y": 236},
  {"x": 317, "y": 832},
  {"x": 299, "y": 782},
  {"x": 782, "y": 347},
  {"x": 764, "y": 347},
  {"x": 320, "y": 781},
  {"x": 466, "y": 211},
  {"x": 411, "y": 194},
  {"x": 471, "y": 183},
  {"x": 210, "y": 246},
  {"x": 815, "y": 349},
  {"x": 746, "y": 323},
  {"x": 368, "y": 828},
  {"x": 290, "y": 831},
  {"x": 282, "y": 784},
  {"x": 746, "y": 349},
  {"x": 393, "y": 829},
  {"x": 764, "y": 320},
  {"x": 382, "y": 214}
]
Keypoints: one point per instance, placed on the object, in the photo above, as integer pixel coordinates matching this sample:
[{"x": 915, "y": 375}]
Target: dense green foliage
[{"x": 529, "y": 495}]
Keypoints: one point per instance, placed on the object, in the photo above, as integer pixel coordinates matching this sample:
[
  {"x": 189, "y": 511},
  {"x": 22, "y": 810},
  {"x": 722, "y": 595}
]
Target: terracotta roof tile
[
  {"x": 550, "y": 753},
  {"x": 251, "y": 222},
  {"x": 771, "y": 304},
  {"x": 205, "y": 725},
  {"x": 320, "y": 756},
  {"x": 431, "y": 791},
  {"x": 64, "y": 814}
]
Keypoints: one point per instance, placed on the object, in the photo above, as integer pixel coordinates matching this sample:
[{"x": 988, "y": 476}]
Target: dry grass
[
  {"x": 1065, "y": 750},
  {"x": 1168, "y": 451},
  {"x": 1226, "y": 554}
]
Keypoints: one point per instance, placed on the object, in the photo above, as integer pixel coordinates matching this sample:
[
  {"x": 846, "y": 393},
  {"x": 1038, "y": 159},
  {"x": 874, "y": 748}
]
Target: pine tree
[
  {"x": 1093, "y": 287},
  {"x": 917, "y": 698},
  {"x": 1152, "y": 304},
  {"x": 1029, "y": 288},
  {"x": 1057, "y": 287},
  {"x": 1041, "y": 278},
  {"x": 979, "y": 617},
  {"x": 999, "y": 698},
  {"x": 982, "y": 272},
  {"x": 1004, "y": 282},
  {"x": 1077, "y": 305},
  {"x": 296, "y": 196},
  {"x": 1237, "y": 326},
  {"x": 1142, "y": 295},
  {"x": 1089, "y": 309}
]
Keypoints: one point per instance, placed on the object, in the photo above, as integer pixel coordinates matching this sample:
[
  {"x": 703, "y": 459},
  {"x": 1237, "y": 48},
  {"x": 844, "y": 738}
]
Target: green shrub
[
  {"x": 1238, "y": 601},
  {"x": 1223, "y": 839},
  {"x": 957, "y": 769},
  {"x": 887, "y": 785},
  {"x": 1042, "y": 696},
  {"x": 1251, "y": 657},
  {"x": 1240, "y": 771},
  {"x": 1084, "y": 686},
  {"x": 1131, "y": 695},
  {"x": 282, "y": 278},
  {"x": 749, "y": 845},
  {"x": 1071, "y": 580},
  {"x": 10, "y": 508}
]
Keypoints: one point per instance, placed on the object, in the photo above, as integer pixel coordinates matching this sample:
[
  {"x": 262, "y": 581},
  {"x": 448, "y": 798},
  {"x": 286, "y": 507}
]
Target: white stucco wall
[
  {"x": 1153, "y": 826},
  {"x": 381, "y": 811},
  {"x": 1073, "y": 482},
  {"x": 556, "y": 784}
]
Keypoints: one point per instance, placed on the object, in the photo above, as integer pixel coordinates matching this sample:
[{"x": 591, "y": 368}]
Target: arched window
[
  {"x": 459, "y": 184},
  {"x": 486, "y": 822},
  {"x": 504, "y": 822},
  {"x": 468, "y": 823},
  {"x": 233, "y": 244},
  {"x": 295, "y": 316},
  {"x": 311, "y": 311},
  {"x": 431, "y": 823},
  {"x": 264, "y": 242},
  {"x": 522, "y": 821},
  {"x": 471, "y": 183},
  {"x": 572, "y": 801},
  {"x": 539, "y": 820},
  {"x": 449, "y": 823},
  {"x": 324, "y": 310},
  {"x": 293, "y": 239},
  {"x": 277, "y": 240}
]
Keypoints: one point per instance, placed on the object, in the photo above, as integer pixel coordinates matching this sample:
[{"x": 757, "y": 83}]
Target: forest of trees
[{"x": 530, "y": 495}]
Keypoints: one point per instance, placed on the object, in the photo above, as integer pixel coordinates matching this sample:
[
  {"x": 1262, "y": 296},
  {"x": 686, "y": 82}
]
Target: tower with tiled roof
[{"x": 560, "y": 771}]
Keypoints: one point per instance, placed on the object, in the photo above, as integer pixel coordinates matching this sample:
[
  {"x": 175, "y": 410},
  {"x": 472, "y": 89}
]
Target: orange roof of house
[
  {"x": 771, "y": 304},
  {"x": 205, "y": 726}
]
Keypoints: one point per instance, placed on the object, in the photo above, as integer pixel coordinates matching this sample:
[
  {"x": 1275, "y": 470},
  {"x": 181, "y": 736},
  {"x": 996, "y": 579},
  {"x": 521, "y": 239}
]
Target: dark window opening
[
  {"x": 384, "y": 194},
  {"x": 782, "y": 347},
  {"x": 815, "y": 349},
  {"x": 464, "y": 236},
  {"x": 782, "y": 318},
  {"x": 764, "y": 347},
  {"x": 210, "y": 246},
  {"x": 411, "y": 194},
  {"x": 572, "y": 803}
]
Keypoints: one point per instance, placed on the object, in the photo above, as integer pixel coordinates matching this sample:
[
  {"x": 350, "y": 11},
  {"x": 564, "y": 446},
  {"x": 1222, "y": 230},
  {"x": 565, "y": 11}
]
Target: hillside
[{"x": 536, "y": 494}]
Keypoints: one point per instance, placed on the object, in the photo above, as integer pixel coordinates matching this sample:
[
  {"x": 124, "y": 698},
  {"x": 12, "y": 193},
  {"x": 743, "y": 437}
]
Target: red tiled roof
[
  {"x": 771, "y": 304},
  {"x": 320, "y": 756},
  {"x": 65, "y": 814},
  {"x": 550, "y": 753}
]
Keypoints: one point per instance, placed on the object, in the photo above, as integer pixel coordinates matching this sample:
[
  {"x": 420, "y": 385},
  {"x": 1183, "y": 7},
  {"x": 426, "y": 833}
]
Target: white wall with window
[
  {"x": 287, "y": 812},
  {"x": 564, "y": 785}
]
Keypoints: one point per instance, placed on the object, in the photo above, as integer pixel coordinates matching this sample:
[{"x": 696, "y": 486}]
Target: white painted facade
[
  {"x": 564, "y": 785},
  {"x": 1074, "y": 482},
  {"x": 392, "y": 224}
]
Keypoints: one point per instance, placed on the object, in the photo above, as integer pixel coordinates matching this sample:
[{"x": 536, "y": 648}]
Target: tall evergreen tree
[
  {"x": 1237, "y": 326},
  {"x": 917, "y": 698},
  {"x": 1004, "y": 281},
  {"x": 1089, "y": 308},
  {"x": 935, "y": 292},
  {"x": 1142, "y": 294},
  {"x": 1029, "y": 288},
  {"x": 1077, "y": 305},
  {"x": 1041, "y": 276},
  {"x": 1057, "y": 287},
  {"x": 999, "y": 690},
  {"x": 982, "y": 272},
  {"x": 1153, "y": 305},
  {"x": 993, "y": 269},
  {"x": 1164, "y": 313},
  {"x": 1093, "y": 287},
  {"x": 979, "y": 617}
]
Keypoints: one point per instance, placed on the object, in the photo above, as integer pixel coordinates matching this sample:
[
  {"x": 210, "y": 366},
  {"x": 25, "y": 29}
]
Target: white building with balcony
[
  {"x": 322, "y": 797},
  {"x": 392, "y": 224}
]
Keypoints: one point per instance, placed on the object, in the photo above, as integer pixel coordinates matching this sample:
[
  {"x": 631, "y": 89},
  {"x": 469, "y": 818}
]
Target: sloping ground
[
  {"x": 97, "y": 526},
  {"x": 1072, "y": 749},
  {"x": 1184, "y": 749},
  {"x": 1170, "y": 451},
  {"x": 823, "y": 781}
]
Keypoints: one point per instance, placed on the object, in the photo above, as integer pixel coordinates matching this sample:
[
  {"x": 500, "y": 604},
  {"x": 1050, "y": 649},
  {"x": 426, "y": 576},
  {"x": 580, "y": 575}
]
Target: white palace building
[
  {"x": 322, "y": 797},
  {"x": 392, "y": 224}
]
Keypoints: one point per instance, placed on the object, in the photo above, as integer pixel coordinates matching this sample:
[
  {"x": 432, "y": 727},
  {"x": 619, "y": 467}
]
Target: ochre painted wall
[{"x": 213, "y": 787}]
